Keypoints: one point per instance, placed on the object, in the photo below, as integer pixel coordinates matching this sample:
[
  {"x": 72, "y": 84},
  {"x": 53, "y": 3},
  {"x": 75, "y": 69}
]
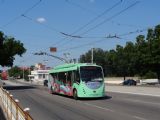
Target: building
[
  {"x": 39, "y": 74},
  {"x": 4, "y": 75}
]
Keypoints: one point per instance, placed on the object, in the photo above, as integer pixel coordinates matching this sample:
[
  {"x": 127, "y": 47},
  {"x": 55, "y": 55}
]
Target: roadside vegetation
[
  {"x": 140, "y": 58},
  {"x": 9, "y": 48}
]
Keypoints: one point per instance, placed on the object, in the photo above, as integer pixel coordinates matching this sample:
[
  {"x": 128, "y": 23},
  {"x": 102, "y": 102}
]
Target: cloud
[{"x": 41, "y": 20}]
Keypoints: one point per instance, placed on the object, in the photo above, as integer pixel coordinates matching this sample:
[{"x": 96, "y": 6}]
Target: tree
[
  {"x": 141, "y": 58},
  {"x": 110, "y": 64},
  {"x": 15, "y": 72},
  {"x": 130, "y": 58},
  {"x": 9, "y": 47},
  {"x": 153, "y": 39},
  {"x": 121, "y": 62}
]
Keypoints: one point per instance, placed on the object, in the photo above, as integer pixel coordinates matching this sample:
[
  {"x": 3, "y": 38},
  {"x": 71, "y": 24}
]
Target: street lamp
[
  {"x": 66, "y": 55},
  {"x": 22, "y": 69},
  {"x": 23, "y": 72},
  {"x": 44, "y": 53},
  {"x": 45, "y": 63}
]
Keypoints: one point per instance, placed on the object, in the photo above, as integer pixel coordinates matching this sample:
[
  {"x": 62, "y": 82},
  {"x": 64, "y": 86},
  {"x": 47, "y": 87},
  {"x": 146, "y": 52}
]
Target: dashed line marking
[
  {"x": 139, "y": 118},
  {"x": 96, "y": 106}
]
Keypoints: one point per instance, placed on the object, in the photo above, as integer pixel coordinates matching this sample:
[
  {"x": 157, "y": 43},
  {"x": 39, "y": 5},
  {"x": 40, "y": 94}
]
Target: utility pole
[
  {"x": 92, "y": 55},
  {"x": 67, "y": 56},
  {"x": 22, "y": 68},
  {"x": 45, "y": 64},
  {"x": 23, "y": 72}
]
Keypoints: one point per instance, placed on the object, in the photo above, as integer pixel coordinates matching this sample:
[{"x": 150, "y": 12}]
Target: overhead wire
[
  {"x": 94, "y": 19},
  {"x": 19, "y": 16},
  {"x": 110, "y": 18},
  {"x": 75, "y": 36},
  {"x": 116, "y": 36},
  {"x": 72, "y": 35},
  {"x": 86, "y": 44},
  {"x": 80, "y": 6},
  {"x": 125, "y": 25},
  {"x": 98, "y": 16},
  {"x": 120, "y": 35},
  {"x": 45, "y": 25}
]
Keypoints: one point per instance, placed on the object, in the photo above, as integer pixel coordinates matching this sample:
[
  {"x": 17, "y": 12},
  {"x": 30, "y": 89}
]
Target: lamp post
[
  {"x": 66, "y": 55},
  {"x": 23, "y": 72},
  {"x": 45, "y": 63},
  {"x": 22, "y": 68},
  {"x": 59, "y": 58}
]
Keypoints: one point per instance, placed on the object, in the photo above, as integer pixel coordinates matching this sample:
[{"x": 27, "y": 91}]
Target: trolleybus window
[
  {"x": 75, "y": 75},
  {"x": 91, "y": 73}
]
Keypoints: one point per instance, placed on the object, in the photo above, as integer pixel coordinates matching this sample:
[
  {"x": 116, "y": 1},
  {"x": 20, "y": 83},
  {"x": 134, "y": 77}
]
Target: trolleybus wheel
[{"x": 75, "y": 94}]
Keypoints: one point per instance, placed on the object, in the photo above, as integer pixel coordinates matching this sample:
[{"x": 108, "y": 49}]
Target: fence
[{"x": 11, "y": 108}]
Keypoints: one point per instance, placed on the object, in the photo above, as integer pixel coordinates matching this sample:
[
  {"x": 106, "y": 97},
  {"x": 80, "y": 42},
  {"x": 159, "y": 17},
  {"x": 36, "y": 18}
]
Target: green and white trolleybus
[{"x": 80, "y": 80}]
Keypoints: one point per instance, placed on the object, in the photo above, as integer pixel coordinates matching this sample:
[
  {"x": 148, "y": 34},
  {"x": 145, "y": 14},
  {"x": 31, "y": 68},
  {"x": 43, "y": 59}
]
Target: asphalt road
[{"x": 115, "y": 106}]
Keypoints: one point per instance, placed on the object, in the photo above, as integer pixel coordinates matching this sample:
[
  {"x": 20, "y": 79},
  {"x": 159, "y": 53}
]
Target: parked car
[
  {"x": 129, "y": 82},
  {"x": 45, "y": 83}
]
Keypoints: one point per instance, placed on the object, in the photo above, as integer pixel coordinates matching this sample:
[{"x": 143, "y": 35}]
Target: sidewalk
[{"x": 138, "y": 90}]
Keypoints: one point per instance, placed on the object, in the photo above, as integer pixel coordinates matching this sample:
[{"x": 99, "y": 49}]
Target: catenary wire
[
  {"x": 106, "y": 20},
  {"x": 93, "y": 20},
  {"x": 19, "y": 16}
]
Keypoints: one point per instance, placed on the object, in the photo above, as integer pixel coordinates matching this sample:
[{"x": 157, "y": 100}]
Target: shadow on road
[
  {"x": 18, "y": 87},
  {"x": 100, "y": 98},
  {"x": 85, "y": 99}
]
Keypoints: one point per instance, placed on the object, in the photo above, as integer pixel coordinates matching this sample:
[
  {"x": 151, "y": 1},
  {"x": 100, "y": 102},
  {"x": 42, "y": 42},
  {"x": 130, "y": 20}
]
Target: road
[{"x": 115, "y": 106}]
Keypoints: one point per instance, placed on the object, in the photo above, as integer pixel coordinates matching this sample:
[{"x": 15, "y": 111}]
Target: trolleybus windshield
[{"x": 91, "y": 73}]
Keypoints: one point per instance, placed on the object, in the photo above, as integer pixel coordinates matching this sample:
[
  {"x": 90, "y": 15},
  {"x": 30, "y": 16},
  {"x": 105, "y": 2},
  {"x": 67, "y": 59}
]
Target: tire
[{"x": 75, "y": 94}]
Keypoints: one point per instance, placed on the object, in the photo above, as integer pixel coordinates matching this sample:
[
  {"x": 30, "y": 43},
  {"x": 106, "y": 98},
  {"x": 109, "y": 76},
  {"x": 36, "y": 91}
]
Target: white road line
[
  {"x": 99, "y": 107},
  {"x": 139, "y": 118},
  {"x": 143, "y": 102},
  {"x": 136, "y": 93},
  {"x": 103, "y": 108}
]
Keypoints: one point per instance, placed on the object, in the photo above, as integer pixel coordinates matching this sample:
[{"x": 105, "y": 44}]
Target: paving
[{"x": 139, "y": 90}]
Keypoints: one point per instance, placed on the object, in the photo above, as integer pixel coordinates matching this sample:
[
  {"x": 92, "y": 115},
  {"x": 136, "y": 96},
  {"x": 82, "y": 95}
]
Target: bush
[{"x": 150, "y": 75}]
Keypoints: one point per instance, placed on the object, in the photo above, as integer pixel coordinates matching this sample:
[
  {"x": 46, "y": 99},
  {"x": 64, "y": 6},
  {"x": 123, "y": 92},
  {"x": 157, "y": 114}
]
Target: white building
[{"x": 39, "y": 74}]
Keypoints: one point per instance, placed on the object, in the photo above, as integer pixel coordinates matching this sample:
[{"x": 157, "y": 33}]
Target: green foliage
[
  {"x": 15, "y": 72},
  {"x": 9, "y": 47},
  {"x": 133, "y": 59},
  {"x": 150, "y": 75}
]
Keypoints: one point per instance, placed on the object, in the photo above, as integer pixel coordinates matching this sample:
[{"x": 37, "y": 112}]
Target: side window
[
  {"x": 75, "y": 76},
  {"x": 62, "y": 78},
  {"x": 69, "y": 78}
]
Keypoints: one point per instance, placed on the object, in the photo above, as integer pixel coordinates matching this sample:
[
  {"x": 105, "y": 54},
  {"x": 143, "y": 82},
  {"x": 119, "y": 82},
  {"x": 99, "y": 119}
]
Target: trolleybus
[{"x": 80, "y": 80}]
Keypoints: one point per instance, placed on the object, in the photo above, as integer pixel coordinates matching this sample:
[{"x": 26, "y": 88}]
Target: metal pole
[
  {"x": 92, "y": 55},
  {"x": 23, "y": 72}
]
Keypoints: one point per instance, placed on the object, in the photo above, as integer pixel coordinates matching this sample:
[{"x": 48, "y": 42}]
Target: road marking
[
  {"x": 143, "y": 102},
  {"x": 99, "y": 107},
  {"x": 103, "y": 108},
  {"x": 139, "y": 118},
  {"x": 136, "y": 93}
]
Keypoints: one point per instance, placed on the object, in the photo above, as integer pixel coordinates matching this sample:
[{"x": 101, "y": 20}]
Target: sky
[{"x": 74, "y": 26}]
